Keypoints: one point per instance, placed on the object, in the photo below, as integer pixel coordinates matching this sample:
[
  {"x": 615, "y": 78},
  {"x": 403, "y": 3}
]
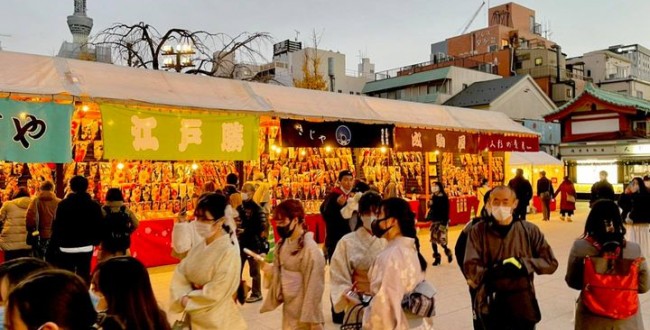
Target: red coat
[{"x": 566, "y": 188}]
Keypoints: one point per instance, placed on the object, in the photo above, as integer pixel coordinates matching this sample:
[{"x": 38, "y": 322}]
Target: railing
[{"x": 431, "y": 65}]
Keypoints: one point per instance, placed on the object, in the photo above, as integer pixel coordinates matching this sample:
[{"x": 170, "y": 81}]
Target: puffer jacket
[
  {"x": 12, "y": 218},
  {"x": 47, "y": 204}
]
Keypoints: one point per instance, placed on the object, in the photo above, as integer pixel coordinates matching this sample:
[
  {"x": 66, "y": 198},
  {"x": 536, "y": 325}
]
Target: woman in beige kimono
[
  {"x": 397, "y": 271},
  {"x": 205, "y": 281},
  {"x": 354, "y": 255},
  {"x": 297, "y": 277}
]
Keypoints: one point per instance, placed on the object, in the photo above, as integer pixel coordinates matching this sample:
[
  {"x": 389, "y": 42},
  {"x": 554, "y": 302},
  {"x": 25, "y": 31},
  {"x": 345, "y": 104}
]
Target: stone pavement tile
[{"x": 453, "y": 304}]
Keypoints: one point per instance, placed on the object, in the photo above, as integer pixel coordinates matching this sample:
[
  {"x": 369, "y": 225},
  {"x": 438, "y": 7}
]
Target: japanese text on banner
[
  {"x": 35, "y": 132},
  {"x": 156, "y": 135}
]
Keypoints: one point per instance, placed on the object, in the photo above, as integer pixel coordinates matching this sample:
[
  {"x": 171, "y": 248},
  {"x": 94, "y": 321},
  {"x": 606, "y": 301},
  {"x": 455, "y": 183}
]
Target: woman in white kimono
[
  {"x": 297, "y": 277},
  {"x": 397, "y": 270},
  {"x": 354, "y": 255},
  {"x": 204, "y": 283}
]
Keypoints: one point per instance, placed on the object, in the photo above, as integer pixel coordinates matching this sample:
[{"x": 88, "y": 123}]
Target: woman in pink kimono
[
  {"x": 297, "y": 277},
  {"x": 397, "y": 270},
  {"x": 205, "y": 281},
  {"x": 354, "y": 255}
]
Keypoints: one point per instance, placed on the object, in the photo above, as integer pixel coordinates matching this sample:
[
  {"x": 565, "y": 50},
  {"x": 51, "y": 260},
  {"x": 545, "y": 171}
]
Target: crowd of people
[{"x": 377, "y": 273}]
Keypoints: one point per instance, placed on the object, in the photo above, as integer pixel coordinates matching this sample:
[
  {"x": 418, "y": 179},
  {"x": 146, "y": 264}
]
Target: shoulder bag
[{"x": 421, "y": 300}]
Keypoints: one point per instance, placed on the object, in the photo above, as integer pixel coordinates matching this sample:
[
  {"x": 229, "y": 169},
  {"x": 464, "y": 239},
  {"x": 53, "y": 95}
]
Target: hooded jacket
[
  {"x": 46, "y": 208},
  {"x": 12, "y": 218}
]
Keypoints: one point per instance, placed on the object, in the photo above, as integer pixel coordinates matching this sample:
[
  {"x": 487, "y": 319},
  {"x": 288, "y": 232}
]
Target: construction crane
[
  {"x": 6, "y": 36},
  {"x": 471, "y": 20}
]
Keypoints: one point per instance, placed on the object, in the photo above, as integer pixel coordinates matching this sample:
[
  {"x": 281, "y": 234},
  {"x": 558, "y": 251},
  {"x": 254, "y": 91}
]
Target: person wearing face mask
[
  {"x": 439, "y": 217},
  {"x": 398, "y": 269},
  {"x": 205, "y": 281},
  {"x": 604, "y": 226},
  {"x": 252, "y": 225},
  {"x": 297, "y": 277},
  {"x": 354, "y": 255},
  {"x": 635, "y": 205},
  {"x": 501, "y": 249}
]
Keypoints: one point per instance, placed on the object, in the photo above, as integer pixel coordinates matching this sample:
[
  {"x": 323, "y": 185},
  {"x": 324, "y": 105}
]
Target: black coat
[
  {"x": 77, "y": 222},
  {"x": 439, "y": 209},
  {"x": 336, "y": 225},
  {"x": 639, "y": 210},
  {"x": 545, "y": 185},
  {"x": 523, "y": 189},
  {"x": 253, "y": 223},
  {"x": 602, "y": 190}
]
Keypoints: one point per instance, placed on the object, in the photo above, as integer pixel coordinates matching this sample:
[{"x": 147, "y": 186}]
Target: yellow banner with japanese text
[{"x": 137, "y": 134}]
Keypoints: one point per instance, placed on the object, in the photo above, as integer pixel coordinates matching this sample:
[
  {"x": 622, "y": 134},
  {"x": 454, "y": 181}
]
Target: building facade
[
  {"x": 289, "y": 58},
  {"x": 604, "y": 130},
  {"x": 428, "y": 86}
]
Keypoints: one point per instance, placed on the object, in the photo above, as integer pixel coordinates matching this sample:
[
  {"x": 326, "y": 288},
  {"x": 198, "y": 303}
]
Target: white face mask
[
  {"x": 244, "y": 196},
  {"x": 501, "y": 213},
  {"x": 204, "y": 229},
  {"x": 367, "y": 220},
  {"x": 434, "y": 189}
]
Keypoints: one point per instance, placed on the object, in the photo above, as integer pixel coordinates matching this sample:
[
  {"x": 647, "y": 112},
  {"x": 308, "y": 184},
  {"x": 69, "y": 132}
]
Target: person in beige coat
[
  {"x": 42, "y": 209},
  {"x": 14, "y": 230}
]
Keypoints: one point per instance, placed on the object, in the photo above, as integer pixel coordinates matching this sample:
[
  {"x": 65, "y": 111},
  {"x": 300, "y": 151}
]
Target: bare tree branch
[{"x": 215, "y": 54}]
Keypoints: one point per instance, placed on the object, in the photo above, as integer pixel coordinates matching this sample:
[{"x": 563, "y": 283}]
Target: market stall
[
  {"x": 532, "y": 163},
  {"x": 160, "y": 135}
]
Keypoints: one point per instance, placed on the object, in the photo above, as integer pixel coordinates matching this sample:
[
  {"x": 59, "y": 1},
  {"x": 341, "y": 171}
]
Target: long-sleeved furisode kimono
[
  {"x": 209, "y": 275},
  {"x": 353, "y": 257},
  {"x": 297, "y": 283},
  {"x": 395, "y": 273}
]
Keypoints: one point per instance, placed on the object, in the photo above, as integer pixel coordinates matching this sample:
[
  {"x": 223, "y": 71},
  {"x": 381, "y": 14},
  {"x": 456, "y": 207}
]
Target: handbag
[
  {"x": 420, "y": 301},
  {"x": 185, "y": 323},
  {"x": 33, "y": 237},
  {"x": 357, "y": 323},
  {"x": 570, "y": 198}
]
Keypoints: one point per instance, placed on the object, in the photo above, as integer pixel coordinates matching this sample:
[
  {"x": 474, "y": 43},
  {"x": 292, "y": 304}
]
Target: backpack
[
  {"x": 611, "y": 283},
  {"x": 118, "y": 228}
]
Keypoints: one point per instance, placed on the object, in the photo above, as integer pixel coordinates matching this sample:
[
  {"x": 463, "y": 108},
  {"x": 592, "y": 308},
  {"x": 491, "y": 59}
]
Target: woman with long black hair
[
  {"x": 636, "y": 214},
  {"x": 603, "y": 231},
  {"x": 397, "y": 270}
]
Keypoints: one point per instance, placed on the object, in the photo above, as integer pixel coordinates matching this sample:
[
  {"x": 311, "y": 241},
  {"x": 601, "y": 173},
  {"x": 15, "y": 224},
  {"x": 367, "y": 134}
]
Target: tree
[
  {"x": 141, "y": 45},
  {"x": 312, "y": 77}
]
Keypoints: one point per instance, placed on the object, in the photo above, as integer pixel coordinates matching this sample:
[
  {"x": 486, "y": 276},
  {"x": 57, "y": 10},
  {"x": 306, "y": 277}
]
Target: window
[
  {"x": 351, "y": 93},
  {"x": 464, "y": 86},
  {"x": 588, "y": 73},
  {"x": 539, "y": 61},
  {"x": 504, "y": 43},
  {"x": 492, "y": 48},
  {"x": 340, "y": 91},
  {"x": 639, "y": 94}
]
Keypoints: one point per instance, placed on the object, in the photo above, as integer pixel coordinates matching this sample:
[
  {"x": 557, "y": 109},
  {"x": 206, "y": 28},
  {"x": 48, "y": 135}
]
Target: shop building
[{"x": 603, "y": 130}]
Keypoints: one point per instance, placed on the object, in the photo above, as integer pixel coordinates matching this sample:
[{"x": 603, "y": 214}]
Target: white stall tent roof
[
  {"x": 42, "y": 75},
  {"x": 533, "y": 158}
]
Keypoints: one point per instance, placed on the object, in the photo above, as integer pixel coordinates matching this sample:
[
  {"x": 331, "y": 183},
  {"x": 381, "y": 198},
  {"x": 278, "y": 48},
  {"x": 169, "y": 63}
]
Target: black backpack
[{"x": 117, "y": 230}]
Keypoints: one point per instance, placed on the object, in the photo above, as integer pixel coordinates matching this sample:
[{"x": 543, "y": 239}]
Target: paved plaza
[{"x": 452, "y": 301}]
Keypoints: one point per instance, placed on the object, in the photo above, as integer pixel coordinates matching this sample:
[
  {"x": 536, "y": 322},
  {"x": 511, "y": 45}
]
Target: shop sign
[
  {"x": 500, "y": 142},
  {"x": 421, "y": 139},
  {"x": 35, "y": 132},
  {"x": 301, "y": 133},
  {"x": 167, "y": 135}
]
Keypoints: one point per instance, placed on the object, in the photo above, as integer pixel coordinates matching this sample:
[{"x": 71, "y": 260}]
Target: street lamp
[{"x": 177, "y": 58}]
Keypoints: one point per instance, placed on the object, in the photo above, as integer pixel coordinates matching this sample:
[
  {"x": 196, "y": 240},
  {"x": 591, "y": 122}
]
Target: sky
[{"x": 391, "y": 33}]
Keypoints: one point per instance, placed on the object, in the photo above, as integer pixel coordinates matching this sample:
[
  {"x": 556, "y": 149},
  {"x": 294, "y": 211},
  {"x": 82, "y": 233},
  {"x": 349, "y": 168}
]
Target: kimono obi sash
[{"x": 291, "y": 284}]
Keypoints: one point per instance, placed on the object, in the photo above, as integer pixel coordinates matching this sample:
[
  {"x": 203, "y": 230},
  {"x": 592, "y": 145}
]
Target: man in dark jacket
[
  {"x": 335, "y": 225},
  {"x": 252, "y": 226},
  {"x": 76, "y": 229},
  {"x": 545, "y": 193},
  {"x": 502, "y": 255},
  {"x": 524, "y": 191},
  {"x": 601, "y": 189}
]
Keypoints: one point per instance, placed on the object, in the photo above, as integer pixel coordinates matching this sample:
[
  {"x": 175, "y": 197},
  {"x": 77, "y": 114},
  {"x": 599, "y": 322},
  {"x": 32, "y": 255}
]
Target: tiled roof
[
  {"x": 611, "y": 97},
  {"x": 483, "y": 92}
]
